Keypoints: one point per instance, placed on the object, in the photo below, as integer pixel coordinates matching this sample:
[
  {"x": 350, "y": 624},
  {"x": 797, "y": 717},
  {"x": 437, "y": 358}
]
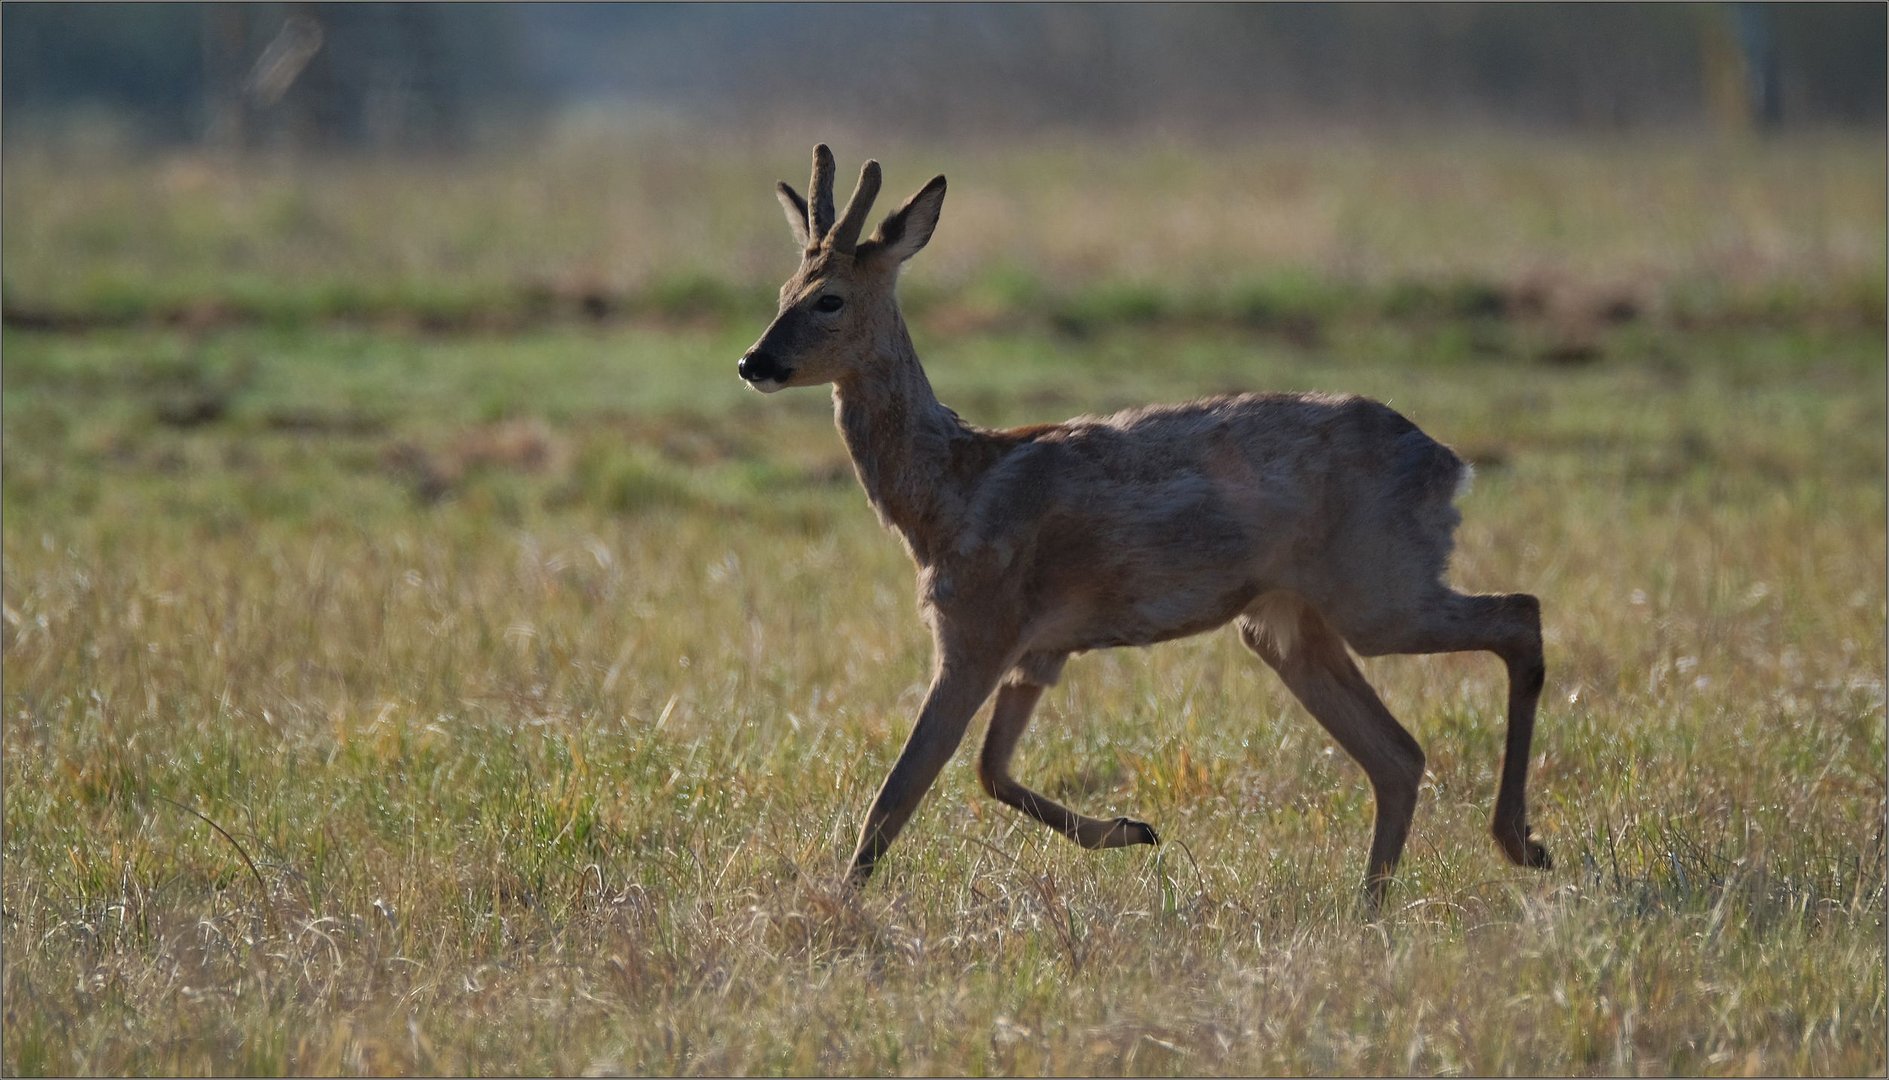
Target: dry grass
[{"x": 542, "y": 680}]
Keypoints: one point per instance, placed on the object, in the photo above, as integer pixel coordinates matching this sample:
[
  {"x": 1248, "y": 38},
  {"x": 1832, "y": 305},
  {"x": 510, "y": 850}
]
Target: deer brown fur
[{"x": 1320, "y": 524}]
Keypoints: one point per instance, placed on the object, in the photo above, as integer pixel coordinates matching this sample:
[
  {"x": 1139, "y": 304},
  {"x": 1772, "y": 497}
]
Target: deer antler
[
  {"x": 846, "y": 234},
  {"x": 820, "y": 195}
]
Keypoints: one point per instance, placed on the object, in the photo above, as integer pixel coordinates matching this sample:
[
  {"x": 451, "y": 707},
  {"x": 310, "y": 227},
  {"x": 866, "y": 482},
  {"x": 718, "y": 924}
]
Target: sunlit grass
[{"x": 543, "y": 679}]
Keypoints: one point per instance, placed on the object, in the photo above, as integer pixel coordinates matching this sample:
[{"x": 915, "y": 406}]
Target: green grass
[{"x": 544, "y": 678}]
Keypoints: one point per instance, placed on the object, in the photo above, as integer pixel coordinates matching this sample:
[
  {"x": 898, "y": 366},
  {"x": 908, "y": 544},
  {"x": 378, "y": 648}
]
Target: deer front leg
[
  {"x": 1015, "y": 701},
  {"x": 963, "y": 681}
]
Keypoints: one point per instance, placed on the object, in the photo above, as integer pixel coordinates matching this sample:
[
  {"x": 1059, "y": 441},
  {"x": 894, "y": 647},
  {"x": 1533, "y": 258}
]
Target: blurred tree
[
  {"x": 1757, "y": 46},
  {"x": 225, "y": 45}
]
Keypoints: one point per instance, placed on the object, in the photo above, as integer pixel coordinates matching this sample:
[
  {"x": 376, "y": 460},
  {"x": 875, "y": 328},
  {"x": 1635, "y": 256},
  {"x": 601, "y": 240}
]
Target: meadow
[{"x": 422, "y": 655}]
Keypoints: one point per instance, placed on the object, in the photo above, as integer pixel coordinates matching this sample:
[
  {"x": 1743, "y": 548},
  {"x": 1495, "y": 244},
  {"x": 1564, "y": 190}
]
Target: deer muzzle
[{"x": 763, "y": 371}]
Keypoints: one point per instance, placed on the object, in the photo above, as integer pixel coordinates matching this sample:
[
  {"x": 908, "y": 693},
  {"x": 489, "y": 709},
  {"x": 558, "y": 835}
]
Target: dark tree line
[{"x": 383, "y": 75}]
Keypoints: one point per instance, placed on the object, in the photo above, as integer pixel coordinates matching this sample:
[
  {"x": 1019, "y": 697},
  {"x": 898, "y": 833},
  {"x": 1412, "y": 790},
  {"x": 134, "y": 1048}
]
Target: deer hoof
[
  {"x": 857, "y": 874},
  {"x": 1136, "y": 832},
  {"x": 1537, "y": 856},
  {"x": 1522, "y": 849}
]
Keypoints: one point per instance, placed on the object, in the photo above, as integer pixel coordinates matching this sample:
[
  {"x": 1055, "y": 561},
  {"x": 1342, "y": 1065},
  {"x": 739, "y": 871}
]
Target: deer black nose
[{"x": 758, "y": 366}]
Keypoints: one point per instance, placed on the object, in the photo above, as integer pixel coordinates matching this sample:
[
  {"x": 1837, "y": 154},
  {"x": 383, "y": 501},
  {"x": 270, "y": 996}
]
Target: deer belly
[
  {"x": 1142, "y": 611},
  {"x": 1184, "y": 561}
]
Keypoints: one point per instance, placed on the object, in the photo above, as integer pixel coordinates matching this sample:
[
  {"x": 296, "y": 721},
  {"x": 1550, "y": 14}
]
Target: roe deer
[{"x": 1316, "y": 522}]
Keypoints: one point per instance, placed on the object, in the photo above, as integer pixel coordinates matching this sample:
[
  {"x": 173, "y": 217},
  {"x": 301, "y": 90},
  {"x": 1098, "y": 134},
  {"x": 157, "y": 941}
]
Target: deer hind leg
[
  {"x": 1508, "y": 625},
  {"x": 1309, "y": 655},
  {"x": 1016, "y": 699}
]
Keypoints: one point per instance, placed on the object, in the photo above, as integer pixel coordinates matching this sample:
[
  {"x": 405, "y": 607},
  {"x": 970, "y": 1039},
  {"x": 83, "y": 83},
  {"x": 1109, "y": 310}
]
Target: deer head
[{"x": 841, "y": 303}]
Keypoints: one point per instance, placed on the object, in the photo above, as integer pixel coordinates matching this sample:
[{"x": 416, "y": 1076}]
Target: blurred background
[{"x": 441, "y": 76}]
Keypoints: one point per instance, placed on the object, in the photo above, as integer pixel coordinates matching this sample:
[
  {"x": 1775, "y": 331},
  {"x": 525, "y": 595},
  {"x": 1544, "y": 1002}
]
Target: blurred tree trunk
[
  {"x": 1740, "y": 65},
  {"x": 1758, "y": 44},
  {"x": 225, "y": 66}
]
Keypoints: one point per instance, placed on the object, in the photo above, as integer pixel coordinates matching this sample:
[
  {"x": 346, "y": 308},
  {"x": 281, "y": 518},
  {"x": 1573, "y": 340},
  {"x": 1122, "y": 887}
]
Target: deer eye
[{"x": 828, "y": 303}]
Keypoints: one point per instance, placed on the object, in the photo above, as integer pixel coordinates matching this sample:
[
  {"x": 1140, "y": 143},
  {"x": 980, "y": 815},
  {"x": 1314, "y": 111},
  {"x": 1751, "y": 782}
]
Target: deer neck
[{"x": 903, "y": 442}]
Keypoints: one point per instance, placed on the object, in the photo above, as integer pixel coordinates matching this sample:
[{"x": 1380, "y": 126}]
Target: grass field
[{"x": 422, "y": 655}]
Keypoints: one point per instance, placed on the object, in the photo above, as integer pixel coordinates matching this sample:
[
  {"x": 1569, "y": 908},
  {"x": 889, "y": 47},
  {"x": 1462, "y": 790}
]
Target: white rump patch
[{"x": 1465, "y": 480}]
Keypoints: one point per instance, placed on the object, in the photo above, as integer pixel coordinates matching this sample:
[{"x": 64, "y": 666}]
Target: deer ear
[
  {"x": 907, "y": 229},
  {"x": 796, "y": 208}
]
